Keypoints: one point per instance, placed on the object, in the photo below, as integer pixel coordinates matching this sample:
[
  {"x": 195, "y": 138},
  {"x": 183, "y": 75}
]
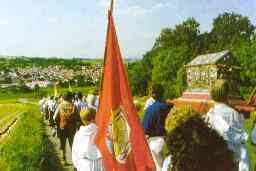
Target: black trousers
[{"x": 66, "y": 133}]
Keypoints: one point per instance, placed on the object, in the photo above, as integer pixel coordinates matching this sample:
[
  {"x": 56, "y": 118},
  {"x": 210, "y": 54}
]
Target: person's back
[
  {"x": 228, "y": 123},
  {"x": 67, "y": 115},
  {"x": 153, "y": 121},
  {"x": 67, "y": 123},
  {"x": 84, "y": 152},
  {"x": 85, "y": 155}
]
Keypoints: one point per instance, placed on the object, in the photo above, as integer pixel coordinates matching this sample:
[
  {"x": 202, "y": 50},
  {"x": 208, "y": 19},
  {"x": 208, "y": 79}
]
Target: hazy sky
[{"x": 67, "y": 28}]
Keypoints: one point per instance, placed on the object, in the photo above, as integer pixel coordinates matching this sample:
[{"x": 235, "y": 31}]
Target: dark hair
[
  {"x": 79, "y": 95},
  {"x": 69, "y": 96},
  {"x": 156, "y": 91},
  {"x": 194, "y": 146}
]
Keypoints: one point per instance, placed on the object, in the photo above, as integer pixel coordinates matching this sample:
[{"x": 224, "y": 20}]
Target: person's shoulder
[{"x": 161, "y": 104}]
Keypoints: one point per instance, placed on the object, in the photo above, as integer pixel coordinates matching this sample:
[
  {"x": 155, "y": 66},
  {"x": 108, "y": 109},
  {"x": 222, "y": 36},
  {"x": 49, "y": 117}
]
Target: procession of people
[
  {"x": 106, "y": 132},
  {"x": 71, "y": 117}
]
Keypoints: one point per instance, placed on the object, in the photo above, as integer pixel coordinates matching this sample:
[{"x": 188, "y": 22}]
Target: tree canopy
[{"x": 175, "y": 47}]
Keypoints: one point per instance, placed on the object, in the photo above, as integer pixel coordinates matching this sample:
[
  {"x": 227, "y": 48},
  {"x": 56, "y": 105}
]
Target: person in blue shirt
[{"x": 155, "y": 114}]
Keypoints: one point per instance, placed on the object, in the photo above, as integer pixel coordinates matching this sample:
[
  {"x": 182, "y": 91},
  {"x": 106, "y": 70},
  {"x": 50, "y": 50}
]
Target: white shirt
[
  {"x": 229, "y": 124},
  {"x": 149, "y": 102},
  {"x": 52, "y": 105},
  {"x": 85, "y": 155},
  {"x": 91, "y": 101}
]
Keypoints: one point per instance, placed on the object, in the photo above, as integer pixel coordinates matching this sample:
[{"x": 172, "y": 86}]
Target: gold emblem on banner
[{"x": 121, "y": 133}]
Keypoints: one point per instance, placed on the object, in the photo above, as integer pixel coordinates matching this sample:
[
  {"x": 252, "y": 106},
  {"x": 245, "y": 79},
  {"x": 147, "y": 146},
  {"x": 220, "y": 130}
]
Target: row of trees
[{"x": 175, "y": 47}]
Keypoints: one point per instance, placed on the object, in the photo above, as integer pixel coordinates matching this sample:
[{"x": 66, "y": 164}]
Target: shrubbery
[
  {"x": 194, "y": 146},
  {"x": 177, "y": 116}
]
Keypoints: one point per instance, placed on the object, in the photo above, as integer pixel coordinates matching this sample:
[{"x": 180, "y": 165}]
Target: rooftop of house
[{"x": 208, "y": 59}]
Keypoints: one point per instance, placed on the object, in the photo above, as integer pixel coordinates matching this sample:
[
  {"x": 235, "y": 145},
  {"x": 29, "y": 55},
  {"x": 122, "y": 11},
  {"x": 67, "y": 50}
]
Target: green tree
[
  {"x": 138, "y": 77},
  {"x": 229, "y": 30}
]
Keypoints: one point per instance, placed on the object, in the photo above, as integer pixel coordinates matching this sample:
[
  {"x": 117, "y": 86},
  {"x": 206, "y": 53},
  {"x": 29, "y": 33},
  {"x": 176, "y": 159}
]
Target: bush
[
  {"x": 177, "y": 116},
  {"x": 194, "y": 146}
]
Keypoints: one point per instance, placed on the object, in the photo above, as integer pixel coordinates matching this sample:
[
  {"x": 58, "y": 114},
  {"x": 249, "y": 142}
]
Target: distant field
[{"x": 13, "y": 96}]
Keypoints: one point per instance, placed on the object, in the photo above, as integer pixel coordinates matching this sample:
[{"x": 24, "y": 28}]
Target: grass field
[
  {"x": 26, "y": 146},
  {"x": 9, "y": 112}
]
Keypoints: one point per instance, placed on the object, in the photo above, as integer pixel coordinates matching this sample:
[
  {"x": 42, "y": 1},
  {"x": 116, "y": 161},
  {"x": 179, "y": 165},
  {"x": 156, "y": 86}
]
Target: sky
[{"x": 77, "y": 28}]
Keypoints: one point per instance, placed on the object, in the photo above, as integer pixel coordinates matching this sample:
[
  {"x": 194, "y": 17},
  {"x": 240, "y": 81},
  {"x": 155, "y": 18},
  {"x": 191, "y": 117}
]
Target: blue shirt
[{"x": 154, "y": 117}]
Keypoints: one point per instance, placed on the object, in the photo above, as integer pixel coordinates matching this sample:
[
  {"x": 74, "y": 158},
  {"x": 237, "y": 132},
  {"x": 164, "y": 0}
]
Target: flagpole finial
[{"x": 112, "y": 5}]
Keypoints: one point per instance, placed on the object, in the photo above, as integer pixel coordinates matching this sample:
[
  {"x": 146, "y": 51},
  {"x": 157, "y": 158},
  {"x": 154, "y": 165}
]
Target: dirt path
[{"x": 56, "y": 145}]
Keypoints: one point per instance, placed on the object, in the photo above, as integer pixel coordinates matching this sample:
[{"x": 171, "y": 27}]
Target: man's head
[
  {"x": 87, "y": 115},
  {"x": 156, "y": 91},
  {"x": 79, "y": 95},
  {"x": 68, "y": 97},
  {"x": 220, "y": 90}
]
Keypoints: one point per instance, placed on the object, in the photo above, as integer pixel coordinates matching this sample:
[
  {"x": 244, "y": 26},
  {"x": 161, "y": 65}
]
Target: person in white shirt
[
  {"x": 229, "y": 124},
  {"x": 41, "y": 104},
  {"x": 91, "y": 101},
  {"x": 85, "y": 155},
  {"x": 155, "y": 90}
]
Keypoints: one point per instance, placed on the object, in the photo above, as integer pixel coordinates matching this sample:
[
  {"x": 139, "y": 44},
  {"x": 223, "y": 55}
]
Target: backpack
[{"x": 67, "y": 115}]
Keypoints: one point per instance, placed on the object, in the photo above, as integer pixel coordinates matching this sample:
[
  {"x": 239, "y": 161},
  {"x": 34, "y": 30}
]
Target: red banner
[{"x": 120, "y": 136}]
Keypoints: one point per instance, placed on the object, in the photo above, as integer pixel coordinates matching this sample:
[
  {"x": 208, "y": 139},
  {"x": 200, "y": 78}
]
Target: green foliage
[
  {"x": 166, "y": 65},
  {"x": 246, "y": 55},
  {"x": 219, "y": 90},
  {"x": 26, "y": 145},
  {"x": 138, "y": 77},
  {"x": 178, "y": 116},
  {"x": 175, "y": 47},
  {"x": 194, "y": 146},
  {"x": 248, "y": 125},
  {"x": 230, "y": 30}
]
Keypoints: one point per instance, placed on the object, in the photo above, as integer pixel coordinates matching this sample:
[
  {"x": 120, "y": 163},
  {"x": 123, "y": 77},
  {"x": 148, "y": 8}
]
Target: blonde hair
[{"x": 87, "y": 115}]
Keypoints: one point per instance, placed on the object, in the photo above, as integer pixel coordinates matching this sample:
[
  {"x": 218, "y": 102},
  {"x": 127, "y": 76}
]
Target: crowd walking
[{"x": 71, "y": 119}]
